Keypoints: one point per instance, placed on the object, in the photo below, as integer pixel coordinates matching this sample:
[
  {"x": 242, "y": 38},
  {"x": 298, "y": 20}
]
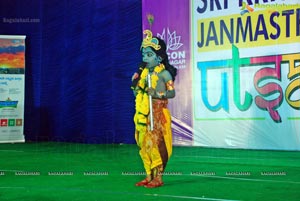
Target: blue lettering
[
  {"x": 275, "y": 25},
  {"x": 201, "y": 42},
  {"x": 244, "y": 31},
  {"x": 203, "y": 8},
  {"x": 287, "y": 14},
  {"x": 298, "y": 22},
  {"x": 213, "y": 37},
  {"x": 263, "y": 31},
  {"x": 223, "y": 28},
  {"x": 212, "y": 4},
  {"x": 217, "y": 4},
  {"x": 223, "y": 101}
]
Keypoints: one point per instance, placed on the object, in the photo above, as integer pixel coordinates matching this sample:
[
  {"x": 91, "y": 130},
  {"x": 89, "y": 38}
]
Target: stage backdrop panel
[
  {"x": 246, "y": 74},
  {"x": 12, "y": 76},
  {"x": 238, "y": 83},
  {"x": 171, "y": 23}
]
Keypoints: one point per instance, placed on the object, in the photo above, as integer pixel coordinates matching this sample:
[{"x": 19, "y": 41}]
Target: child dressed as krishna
[{"x": 155, "y": 141}]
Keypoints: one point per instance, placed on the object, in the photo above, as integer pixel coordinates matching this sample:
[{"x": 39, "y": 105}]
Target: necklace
[
  {"x": 142, "y": 98},
  {"x": 154, "y": 76}
]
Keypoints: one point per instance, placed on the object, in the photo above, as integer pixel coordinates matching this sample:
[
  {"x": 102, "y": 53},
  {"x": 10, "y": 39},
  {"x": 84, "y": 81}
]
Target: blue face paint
[{"x": 150, "y": 57}]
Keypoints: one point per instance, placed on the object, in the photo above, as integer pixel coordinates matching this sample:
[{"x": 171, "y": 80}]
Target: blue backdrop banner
[{"x": 80, "y": 56}]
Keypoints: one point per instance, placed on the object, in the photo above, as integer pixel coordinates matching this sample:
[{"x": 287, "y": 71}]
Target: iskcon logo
[
  {"x": 8, "y": 103},
  {"x": 171, "y": 39},
  {"x": 177, "y": 58}
]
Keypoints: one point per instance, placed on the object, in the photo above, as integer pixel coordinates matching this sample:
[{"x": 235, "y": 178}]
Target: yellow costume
[
  {"x": 155, "y": 141},
  {"x": 155, "y": 146}
]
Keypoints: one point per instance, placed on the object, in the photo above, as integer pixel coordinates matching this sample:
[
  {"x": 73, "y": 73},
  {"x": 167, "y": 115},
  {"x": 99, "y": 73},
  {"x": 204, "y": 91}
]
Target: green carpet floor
[{"x": 77, "y": 172}]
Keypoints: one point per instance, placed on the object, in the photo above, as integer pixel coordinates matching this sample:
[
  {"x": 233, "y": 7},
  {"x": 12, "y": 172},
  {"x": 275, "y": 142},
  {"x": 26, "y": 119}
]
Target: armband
[
  {"x": 161, "y": 94},
  {"x": 170, "y": 85}
]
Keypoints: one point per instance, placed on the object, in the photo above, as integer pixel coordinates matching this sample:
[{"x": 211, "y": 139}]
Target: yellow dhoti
[{"x": 155, "y": 146}]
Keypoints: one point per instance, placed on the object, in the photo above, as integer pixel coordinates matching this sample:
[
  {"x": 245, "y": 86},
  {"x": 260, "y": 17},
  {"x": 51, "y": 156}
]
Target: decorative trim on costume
[{"x": 170, "y": 85}]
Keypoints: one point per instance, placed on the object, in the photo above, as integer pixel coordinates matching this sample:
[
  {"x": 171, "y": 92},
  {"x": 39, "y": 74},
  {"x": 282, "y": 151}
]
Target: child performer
[{"x": 155, "y": 145}]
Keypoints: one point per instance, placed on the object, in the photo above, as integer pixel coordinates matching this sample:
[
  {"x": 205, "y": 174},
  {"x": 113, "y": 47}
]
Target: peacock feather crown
[{"x": 149, "y": 41}]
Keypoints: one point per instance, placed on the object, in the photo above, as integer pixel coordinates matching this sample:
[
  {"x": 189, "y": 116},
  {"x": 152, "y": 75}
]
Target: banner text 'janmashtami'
[{"x": 275, "y": 24}]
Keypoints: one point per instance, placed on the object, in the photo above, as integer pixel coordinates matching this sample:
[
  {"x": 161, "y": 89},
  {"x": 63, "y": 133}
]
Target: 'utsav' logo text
[
  {"x": 268, "y": 81},
  {"x": 177, "y": 58},
  {"x": 213, "y": 5}
]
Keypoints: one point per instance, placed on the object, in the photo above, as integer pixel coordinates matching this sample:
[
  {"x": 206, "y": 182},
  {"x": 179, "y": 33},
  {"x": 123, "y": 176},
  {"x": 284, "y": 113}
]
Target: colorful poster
[
  {"x": 172, "y": 25},
  {"x": 246, "y": 74},
  {"x": 12, "y": 79}
]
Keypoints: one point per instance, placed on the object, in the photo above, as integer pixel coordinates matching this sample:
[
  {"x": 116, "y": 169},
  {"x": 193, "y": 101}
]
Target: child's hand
[
  {"x": 151, "y": 91},
  {"x": 135, "y": 75}
]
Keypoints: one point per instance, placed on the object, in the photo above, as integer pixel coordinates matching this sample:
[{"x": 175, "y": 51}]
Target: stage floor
[{"x": 88, "y": 172}]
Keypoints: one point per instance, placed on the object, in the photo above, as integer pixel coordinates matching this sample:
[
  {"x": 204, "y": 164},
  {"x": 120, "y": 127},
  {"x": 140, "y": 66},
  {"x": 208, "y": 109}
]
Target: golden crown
[{"x": 149, "y": 41}]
